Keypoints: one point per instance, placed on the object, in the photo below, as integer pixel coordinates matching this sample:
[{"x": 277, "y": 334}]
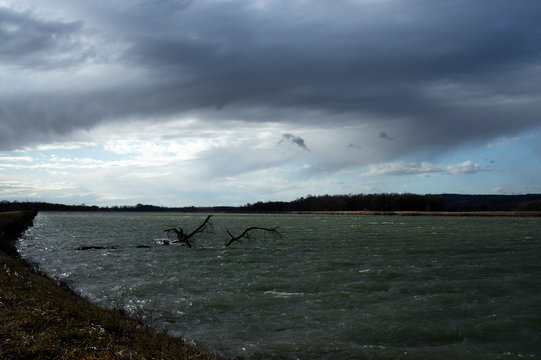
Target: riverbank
[
  {"x": 40, "y": 318},
  {"x": 425, "y": 213}
]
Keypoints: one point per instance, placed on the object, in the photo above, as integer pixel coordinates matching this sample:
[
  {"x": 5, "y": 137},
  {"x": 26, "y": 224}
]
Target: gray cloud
[
  {"x": 384, "y": 135},
  {"x": 439, "y": 74},
  {"x": 31, "y": 42},
  {"x": 402, "y": 168},
  {"x": 298, "y": 141}
]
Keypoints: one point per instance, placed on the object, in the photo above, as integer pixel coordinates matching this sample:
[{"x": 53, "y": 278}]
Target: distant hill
[{"x": 350, "y": 202}]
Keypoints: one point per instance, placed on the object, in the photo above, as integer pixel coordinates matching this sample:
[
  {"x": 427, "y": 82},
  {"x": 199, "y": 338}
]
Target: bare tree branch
[
  {"x": 182, "y": 237},
  {"x": 245, "y": 234},
  {"x": 201, "y": 227},
  {"x": 185, "y": 238}
]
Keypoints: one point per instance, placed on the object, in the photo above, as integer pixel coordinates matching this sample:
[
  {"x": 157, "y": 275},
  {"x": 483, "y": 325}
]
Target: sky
[{"x": 228, "y": 102}]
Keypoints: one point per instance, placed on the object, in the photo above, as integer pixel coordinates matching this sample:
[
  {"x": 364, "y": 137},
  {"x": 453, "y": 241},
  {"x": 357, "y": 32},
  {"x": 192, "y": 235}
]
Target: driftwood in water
[
  {"x": 96, "y": 247},
  {"x": 246, "y": 234},
  {"x": 182, "y": 237},
  {"x": 185, "y": 238}
]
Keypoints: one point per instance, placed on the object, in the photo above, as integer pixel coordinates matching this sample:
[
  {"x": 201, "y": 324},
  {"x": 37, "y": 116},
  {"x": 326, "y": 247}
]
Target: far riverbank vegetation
[{"x": 318, "y": 203}]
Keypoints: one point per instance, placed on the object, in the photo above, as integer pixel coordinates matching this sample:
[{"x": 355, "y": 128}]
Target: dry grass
[{"x": 41, "y": 319}]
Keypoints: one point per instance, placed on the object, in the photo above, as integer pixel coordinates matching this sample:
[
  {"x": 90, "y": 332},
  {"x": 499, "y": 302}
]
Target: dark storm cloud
[
  {"x": 384, "y": 135},
  {"x": 442, "y": 73},
  {"x": 28, "y": 41},
  {"x": 298, "y": 141}
]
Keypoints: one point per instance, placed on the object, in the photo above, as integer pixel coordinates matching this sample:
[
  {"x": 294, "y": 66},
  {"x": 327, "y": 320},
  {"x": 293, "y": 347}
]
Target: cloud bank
[
  {"x": 425, "y": 168},
  {"x": 239, "y": 86},
  {"x": 440, "y": 73}
]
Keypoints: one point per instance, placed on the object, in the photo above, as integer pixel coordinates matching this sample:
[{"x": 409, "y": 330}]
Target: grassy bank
[
  {"x": 12, "y": 224},
  {"x": 42, "y": 319}
]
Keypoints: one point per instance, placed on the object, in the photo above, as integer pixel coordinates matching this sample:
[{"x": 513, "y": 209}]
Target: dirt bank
[{"x": 12, "y": 225}]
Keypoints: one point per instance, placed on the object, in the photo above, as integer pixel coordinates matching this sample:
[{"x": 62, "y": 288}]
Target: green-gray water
[{"x": 331, "y": 287}]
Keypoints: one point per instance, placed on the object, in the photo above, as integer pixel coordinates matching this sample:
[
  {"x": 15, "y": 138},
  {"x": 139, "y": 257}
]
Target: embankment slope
[{"x": 42, "y": 319}]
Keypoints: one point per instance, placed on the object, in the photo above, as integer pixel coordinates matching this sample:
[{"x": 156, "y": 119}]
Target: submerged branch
[
  {"x": 182, "y": 237},
  {"x": 245, "y": 234},
  {"x": 201, "y": 227},
  {"x": 185, "y": 238},
  {"x": 92, "y": 247}
]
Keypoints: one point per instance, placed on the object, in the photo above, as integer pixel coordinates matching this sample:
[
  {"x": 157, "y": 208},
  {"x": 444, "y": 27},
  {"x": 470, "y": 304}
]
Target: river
[{"x": 330, "y": 287}]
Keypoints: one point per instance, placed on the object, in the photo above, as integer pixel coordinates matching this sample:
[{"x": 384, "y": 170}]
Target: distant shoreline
[
  {"x": 362, "y": 204},
  {"x": 423, "y": 213}
]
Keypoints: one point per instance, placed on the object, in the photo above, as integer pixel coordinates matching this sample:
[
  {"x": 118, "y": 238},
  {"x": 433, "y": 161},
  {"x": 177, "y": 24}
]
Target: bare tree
[
  {"x": 185, "y": 238},
  {"x": 246, "y": 234}
]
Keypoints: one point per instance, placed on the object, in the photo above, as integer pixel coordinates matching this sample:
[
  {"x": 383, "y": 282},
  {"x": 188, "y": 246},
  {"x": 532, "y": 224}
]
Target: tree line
[
  {"x": 6, "y": 205},
  {"x": 402, "y": 202},
  {"x": 349, "y": 202},
  {"x": 358, "y": 202}
]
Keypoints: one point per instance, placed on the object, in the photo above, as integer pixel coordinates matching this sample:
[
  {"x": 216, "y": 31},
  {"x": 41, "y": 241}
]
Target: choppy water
[{"x": 332, "y": 287}]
